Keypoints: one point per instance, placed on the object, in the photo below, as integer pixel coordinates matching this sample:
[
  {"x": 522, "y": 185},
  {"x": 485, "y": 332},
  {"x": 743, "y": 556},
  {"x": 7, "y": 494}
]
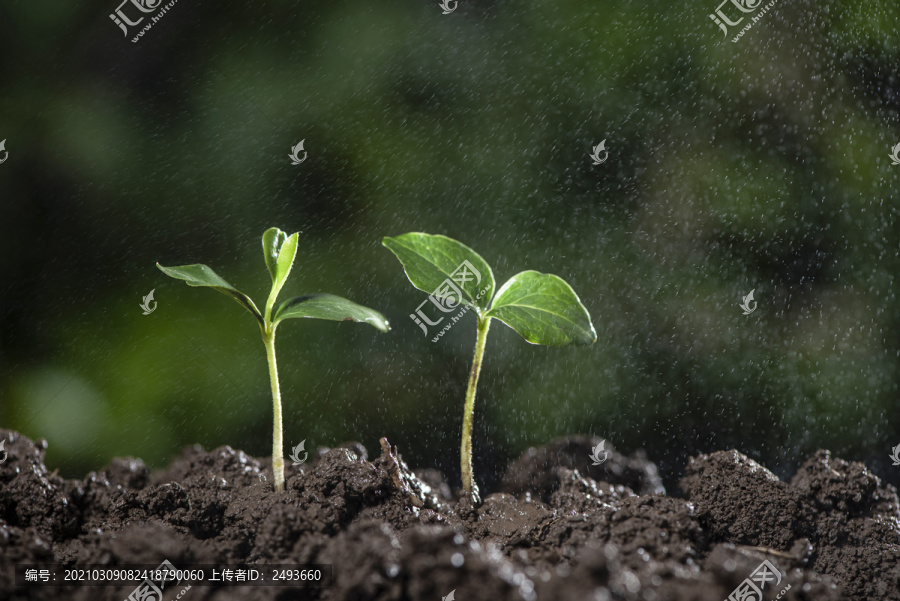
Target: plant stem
[
  {"x": 484, "y": 324},
  {"x": 277, "y": 444}
]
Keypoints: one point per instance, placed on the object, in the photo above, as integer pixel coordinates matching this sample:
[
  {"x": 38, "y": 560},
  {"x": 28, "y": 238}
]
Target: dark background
[{"x": 757, "y": 165}]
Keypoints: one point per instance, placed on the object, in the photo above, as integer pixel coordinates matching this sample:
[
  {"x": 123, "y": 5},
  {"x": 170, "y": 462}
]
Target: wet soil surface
[{"x": 561, "y": 528}]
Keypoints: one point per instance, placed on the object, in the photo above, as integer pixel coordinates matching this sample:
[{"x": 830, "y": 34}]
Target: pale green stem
[
  {"x": 277, "y": 443},
  {"x": 484, "y": 323}
]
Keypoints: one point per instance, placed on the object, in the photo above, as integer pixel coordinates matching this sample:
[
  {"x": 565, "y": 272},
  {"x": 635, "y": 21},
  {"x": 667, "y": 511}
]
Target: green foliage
[
  {"x": 542, "y": 308},
  {"x": 200, "y": 275},
  {"x": 331, "y": 307},
  {"x": 722, "y": 177},
  {"x": 429, "y": 260},
  {"x": 279, "y": 251}
]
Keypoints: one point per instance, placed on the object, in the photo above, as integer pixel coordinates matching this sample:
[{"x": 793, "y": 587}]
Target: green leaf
[
  {"x": 202, "y": 276},
  {"x": 329, "y": 306},
  {"x": 543, "y": 309},
  {"x": 279, "y": 250},
  {"x": 444, "y": 268}
]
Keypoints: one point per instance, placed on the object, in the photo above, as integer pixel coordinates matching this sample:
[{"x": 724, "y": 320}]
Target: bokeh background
[{"x": 760, "y": 164}]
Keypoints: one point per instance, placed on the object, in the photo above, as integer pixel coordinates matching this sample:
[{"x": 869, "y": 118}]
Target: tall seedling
[
  {"x": 541, "y": 307},
  {"x": 279, "y": 250}
]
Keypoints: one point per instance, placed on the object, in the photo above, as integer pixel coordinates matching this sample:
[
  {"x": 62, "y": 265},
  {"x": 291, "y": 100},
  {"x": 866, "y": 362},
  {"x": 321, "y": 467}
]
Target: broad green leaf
[
  {"x": 279, "y": 250},
  {"x": 444, "y": 268},
  {"x": 202, "y": 276},
  {"x": 543, "y": 309},
  {"x": 329, "y": 306}
]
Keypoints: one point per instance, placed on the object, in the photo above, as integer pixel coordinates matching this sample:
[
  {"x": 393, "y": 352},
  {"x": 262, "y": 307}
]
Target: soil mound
[{"x": 560, "y": 528}]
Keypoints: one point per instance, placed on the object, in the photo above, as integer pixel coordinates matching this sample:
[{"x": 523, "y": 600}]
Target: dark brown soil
[{"x": 560, "y": 529}]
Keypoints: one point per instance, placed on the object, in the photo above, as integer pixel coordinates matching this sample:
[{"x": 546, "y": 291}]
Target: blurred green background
[{"x": 757, "y": 165}]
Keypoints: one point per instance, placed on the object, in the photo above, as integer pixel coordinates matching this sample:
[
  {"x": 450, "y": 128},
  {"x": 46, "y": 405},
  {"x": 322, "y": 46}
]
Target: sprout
[
  {"x": 541, "y": 307},
  {"x": 280, "y": 250}
]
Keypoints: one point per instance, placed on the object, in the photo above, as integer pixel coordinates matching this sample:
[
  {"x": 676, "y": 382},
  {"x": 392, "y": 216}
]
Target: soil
[{"x": 559, "y": 528}]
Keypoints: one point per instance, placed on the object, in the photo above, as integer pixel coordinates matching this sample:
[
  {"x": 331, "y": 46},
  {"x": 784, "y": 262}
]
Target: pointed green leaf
[
  {"x": 444, "y": 268},
  {"x": 279, "y": 250},
  {"x": 329, "y": 306},
  {"x": 543, "y": 309},
  {"x": 202, "y": 276}
]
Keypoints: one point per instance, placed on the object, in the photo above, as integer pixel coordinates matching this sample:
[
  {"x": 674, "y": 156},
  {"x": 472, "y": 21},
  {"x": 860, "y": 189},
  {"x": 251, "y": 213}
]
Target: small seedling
[
  {"x": 280, "y": 250},
  {"x": 541, "y": 307}
]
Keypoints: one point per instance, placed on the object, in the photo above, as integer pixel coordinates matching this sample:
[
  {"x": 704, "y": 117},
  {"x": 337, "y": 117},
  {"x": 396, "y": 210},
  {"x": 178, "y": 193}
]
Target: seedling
[
  {"x": 280, "y": 250},
  {"x": 541, "y": 307}
]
